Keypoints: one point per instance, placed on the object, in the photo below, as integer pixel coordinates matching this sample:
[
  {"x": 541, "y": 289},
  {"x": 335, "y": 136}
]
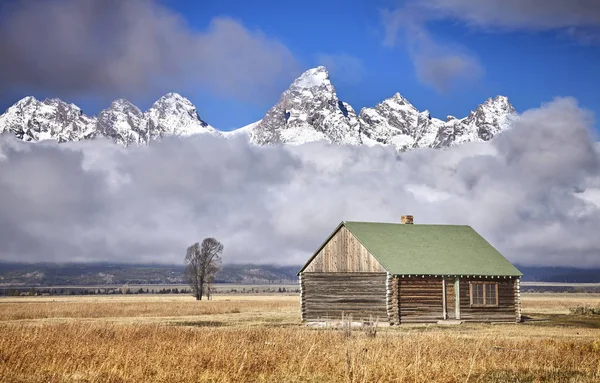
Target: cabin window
[{"x": 483, "y": 293}]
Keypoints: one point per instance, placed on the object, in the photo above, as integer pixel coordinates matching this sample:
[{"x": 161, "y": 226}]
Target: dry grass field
[{"x": 260, "y": 339}]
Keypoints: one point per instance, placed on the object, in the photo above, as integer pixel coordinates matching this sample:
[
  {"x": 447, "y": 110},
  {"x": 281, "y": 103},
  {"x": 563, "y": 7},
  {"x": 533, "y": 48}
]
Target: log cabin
[{"x": 400, "y": 273}]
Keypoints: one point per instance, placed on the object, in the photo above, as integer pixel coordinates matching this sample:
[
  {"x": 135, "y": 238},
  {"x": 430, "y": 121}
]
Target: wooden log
[{"x": 336, "y": 294}]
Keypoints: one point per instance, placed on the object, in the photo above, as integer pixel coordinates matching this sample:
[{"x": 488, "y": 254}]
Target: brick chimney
[{"x": 406, "y": 220}]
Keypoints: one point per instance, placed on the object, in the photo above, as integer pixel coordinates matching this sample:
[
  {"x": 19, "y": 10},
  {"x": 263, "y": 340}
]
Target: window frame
[{"x": 485, "y": 298}]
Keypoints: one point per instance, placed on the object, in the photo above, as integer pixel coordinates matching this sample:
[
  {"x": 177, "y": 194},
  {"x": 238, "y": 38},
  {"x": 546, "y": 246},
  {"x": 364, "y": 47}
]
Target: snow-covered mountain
[
  {"x": 482, "y": 124},
  {"x": 33, "y": 120},
  {"x": 123, "y": 122},
  {"x": 174, "y": 114},
  {"x": 309, "y": 110},
  {"x": 397, "y": 122}
]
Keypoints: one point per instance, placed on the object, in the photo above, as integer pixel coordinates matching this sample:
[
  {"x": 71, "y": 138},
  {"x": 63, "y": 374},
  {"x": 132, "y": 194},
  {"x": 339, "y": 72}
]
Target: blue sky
[{"x": 434, "y": 53}]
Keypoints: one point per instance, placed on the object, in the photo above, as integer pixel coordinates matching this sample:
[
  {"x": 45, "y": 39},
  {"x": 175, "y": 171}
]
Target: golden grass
[
  {"x": 265, "y": 342},
  {"x": 148, "y": 298},
  {"x": 136, "y": 307},
  {"x": 556, "y": 303},
  {"x": 135, "y": 353}
]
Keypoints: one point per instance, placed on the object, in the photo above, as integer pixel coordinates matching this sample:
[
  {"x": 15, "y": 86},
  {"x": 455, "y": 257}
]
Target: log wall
[
  {"x": 420, "y": 300},
  {"x": 344, "y": 253},
  {"x": 506, "y": 311},
  {"x": 329, "y": 295}
]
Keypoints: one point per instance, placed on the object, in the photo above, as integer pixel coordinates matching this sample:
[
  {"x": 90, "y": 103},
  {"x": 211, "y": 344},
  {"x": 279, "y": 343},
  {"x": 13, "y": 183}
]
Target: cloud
[
  {"x": 578, "y": 20},
  {"x": 129, "y": 48},
  {"x": 445, "y": 65},
  {"x": 347, "y": 68},
  {"x": 520, "y": 14},
  {"x": 532, "y": 192},
  {"x": 442, "y": 66}
]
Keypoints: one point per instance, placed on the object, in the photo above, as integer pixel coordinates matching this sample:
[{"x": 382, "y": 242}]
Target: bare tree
[{"x": 202, "y": 261}]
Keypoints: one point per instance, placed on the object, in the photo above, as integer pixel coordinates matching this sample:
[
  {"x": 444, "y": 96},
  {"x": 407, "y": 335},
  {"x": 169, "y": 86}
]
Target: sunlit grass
[{"x": 232, "y": 339}]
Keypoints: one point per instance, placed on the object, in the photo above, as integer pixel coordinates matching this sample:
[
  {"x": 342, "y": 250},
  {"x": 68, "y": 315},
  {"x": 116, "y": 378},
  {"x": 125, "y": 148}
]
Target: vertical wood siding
[
  {"x": 504, "y": 312},
  {"x": 329, "y": 295},
  {"x": 344, "y": 253},
  {"x": 450, "y": 298}
]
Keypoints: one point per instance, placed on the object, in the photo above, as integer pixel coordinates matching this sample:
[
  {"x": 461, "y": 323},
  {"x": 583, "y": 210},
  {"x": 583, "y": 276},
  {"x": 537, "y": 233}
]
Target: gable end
[{"x": 342, "y": 252}]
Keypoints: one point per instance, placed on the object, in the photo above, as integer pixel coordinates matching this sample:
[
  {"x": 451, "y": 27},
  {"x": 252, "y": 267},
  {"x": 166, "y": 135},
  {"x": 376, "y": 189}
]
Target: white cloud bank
[{"x": 530, "y": 192}]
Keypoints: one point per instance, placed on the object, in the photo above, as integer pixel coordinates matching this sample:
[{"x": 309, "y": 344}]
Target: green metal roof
[{"x": 413, "y": 249}]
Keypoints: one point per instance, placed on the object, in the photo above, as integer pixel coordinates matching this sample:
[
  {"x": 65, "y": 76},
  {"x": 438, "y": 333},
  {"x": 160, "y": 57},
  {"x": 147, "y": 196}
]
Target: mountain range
[
  {"x": 309, "y": 110},
  {"x": 90, "y": 274}
]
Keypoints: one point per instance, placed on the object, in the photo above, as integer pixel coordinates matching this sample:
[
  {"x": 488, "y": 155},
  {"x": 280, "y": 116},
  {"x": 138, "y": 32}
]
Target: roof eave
[{"x": 467, "y": 275}]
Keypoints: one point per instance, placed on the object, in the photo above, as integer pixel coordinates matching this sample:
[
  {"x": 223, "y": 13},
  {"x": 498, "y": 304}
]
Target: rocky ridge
[
  {"x": 122, "y": 122},
  {"x": 309, "y": 110}
]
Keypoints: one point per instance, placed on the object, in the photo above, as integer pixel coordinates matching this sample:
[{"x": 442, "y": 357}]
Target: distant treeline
[
  {"x": 560, "y": 289},
  {"x": 37, "y": 291}
]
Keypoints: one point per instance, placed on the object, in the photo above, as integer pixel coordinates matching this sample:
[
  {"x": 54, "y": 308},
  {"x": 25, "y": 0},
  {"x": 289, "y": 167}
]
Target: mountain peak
[
  {"x": 396, "y": 101},
  {"x": 26, "y": 101},
  {"x": 398, "y": 97},
  {"x": 309, "y": 110},
  {"x": 122, "y": 122},
  {"x": 173, "y": 104},
  {"x": 493, "y": 116},
  {"x": 173, "y": 114},
  {"x": 173, "y": 98},
  {"x": 497, "y": 105},
  {"x": 125, "y": 106},
  {"x": 315, "y": 77},
  {"x": 498, "y": 101}
]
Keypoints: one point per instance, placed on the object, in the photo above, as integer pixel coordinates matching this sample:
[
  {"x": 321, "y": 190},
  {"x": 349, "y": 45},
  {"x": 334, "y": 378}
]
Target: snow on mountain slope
[
  {"x": 122, "y": 122},
  {"x": 33, "y": 120},
  {"x": 397, "y": 122},
  {"x": 309, "y": 110},
  {"x": 482, "y": 124},
  {"x": 244, "y": 130},
  {"x": 173, "y": 114}
]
